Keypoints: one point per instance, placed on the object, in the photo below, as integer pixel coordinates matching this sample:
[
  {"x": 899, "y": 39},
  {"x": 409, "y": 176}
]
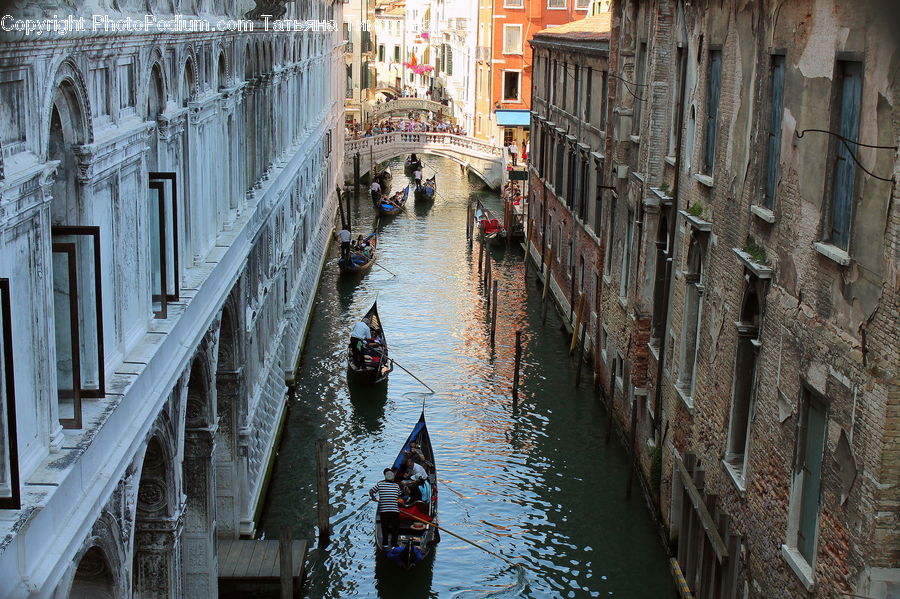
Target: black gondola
[
  {"x": 360, "y": 260},
  {"x": 390, "y": 208},
  {"x": 415, "y": 538},
  {"x": 370, "y": 363},
  {"x": 411, "y": 164},
  {"x": 427, "y": 190}
]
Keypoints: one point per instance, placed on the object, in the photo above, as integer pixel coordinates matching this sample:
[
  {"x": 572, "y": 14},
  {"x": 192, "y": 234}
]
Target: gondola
[
  {"x": 386, "y": 208},
  {"x": 411, "y": 165},
  {"x": 375, "y": 365},
  {"x": 427, "y": 190},
  {"x": 491, "y": 229},
  {"x": 415, "y": 538},
  {"x": 360, "y": 261}
]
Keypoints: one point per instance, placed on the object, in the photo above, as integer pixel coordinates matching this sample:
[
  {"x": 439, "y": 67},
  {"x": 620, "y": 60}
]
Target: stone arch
[
  {"x": 156, "y": 105},
  {"x": 199, "y": 546},
  {"x": 189, "y": 80},
  {"x": 221, "y": 70},
  {"x": 68, "y": 127},
  {"x": 230, "y": 461},
  {"x": 69, "y": 80},
  {"x": 94, "y": 578},
  {"x": 158, "y": 522}
]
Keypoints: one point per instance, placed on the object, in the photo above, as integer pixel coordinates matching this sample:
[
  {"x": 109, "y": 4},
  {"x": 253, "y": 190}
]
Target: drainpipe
[{"x": 670, "y": 256}]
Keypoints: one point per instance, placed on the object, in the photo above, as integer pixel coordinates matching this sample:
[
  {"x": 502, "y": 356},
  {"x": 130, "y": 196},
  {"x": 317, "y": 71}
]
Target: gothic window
[
  {"x": 598, "y": 197},
  {"x": 743, "y": 394},
  {"x": 640, "y": 90},
  {"x": 693, "y": 310},
  {"x": 9, "y": 458}
]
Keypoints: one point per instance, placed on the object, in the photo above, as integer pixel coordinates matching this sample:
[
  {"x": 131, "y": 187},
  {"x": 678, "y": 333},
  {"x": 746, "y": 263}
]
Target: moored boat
[
  {"x": 390, "y": 207},
  {"x": 368, "y": 360},
  {"x": 415, "y": 536}
]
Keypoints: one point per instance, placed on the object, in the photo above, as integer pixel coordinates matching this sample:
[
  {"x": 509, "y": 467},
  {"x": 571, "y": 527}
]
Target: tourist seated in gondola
[{"x": 412, "y": 470}]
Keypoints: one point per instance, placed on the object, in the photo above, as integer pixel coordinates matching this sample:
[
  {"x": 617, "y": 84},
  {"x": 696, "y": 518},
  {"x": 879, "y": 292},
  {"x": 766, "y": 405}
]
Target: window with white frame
[
  {"x": 512, "y": 39},
  {"x": 806, "y": 486},
  {"x": 556, "y": 4},
  {"x": 513, "y": 3},
  {"x": 582, "y": 4}
]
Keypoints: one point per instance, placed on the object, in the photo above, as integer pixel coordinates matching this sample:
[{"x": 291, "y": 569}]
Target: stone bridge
[
  {"x": 479, "y": 157},
  {"x": 407, "y": 104}
]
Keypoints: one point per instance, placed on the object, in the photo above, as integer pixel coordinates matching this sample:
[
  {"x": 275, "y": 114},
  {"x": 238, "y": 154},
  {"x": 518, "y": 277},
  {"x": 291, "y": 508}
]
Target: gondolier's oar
[
  {"x": 412, "y": 375},
  {"x": 461, "y": 538},
  {"x": 385, "y": 268}
]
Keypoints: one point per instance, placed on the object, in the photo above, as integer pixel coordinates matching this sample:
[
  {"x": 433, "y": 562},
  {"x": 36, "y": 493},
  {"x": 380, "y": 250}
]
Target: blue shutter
[
  {"x": 813, "y": 448},
  {"x": 844, "y": 167},
  {"x": 712, "y": 109},
  {"x": 776, "y": 108}
]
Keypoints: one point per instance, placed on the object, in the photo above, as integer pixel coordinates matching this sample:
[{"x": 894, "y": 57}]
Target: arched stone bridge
[
  {"x": 407, "y": 104},
  {"x": 479, "y": 157}
]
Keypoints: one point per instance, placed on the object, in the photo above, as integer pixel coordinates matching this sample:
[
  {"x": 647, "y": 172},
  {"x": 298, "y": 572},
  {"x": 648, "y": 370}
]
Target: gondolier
[
  {"x": 344, "y": 236},
  {"x": 375, "y": 190},
  {"x": 359, "y": 337},
  {"x": 418, "y": 177},
  {"x": 387, "y": 493}
]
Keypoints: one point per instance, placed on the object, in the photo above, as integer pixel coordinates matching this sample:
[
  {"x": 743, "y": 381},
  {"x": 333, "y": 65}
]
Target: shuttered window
[
  {"x": 712, "y": 109},
  {"x": 843, "y": 168},
  {"x": 808, "y": 471},
  {"x": 776, "y": 105}
]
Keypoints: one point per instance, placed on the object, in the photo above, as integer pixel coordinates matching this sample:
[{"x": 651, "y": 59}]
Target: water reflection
[{"x": 535, "y": 483}]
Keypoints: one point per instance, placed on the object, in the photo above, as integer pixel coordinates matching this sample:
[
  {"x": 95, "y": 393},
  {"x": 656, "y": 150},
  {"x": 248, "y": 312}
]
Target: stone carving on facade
[{"x": 273, "y": 8}]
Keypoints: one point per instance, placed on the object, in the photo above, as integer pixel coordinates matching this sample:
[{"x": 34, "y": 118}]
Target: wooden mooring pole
[
  {"x": 286, "y": 562},
  {"x": 480, "y": 257},
  {"x": 633, "y": 447},
  {"x": 494, "y": 316},
  {"x": 581, "y": 356},
  {"x": 322, "y": 491},
  {"x": 578, "y": 310},
  {"x": 340, "y": 204},
  {"x": 515, "y": 389}
]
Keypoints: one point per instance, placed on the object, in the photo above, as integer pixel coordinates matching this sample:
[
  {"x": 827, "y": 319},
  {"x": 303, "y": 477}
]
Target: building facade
[
  {"x": 166, "y": 201},
  {"x": 454, "y": 39},
  {"x": 509, "y": 59},
  {"x": 360, "y": 76},
  {"x": 391, "y": 52},
  {"x": 746, "y": 292}
]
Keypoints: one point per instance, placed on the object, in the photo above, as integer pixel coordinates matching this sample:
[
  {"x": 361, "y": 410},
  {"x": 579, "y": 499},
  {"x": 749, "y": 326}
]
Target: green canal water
[{"x": 537, "y": 484}]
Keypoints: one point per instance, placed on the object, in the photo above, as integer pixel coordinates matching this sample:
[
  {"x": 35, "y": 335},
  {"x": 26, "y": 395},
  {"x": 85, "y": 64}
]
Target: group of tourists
[
  {"x": 378, "y": 195},
  {"x": 512, "y": 151},
  {"x": 409, "y": 124},
  {"x": 512, "y": 192},
  {"x": 407, "y": 488},
  {"x": 357, "y": 251}
]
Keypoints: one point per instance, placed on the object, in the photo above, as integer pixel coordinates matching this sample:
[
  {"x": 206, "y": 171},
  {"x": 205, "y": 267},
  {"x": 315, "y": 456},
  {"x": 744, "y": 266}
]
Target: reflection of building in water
[{"x": 165, "y": 203}]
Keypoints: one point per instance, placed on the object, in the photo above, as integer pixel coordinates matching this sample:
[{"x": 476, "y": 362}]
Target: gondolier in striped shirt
[{"x": 388, "y": 494}]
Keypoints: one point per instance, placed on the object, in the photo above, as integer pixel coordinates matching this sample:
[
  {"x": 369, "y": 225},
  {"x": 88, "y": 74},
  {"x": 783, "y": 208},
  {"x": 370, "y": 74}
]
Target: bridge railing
[
  {"x": 407, "y": 104},
  {"x": 421, "y": 142}
]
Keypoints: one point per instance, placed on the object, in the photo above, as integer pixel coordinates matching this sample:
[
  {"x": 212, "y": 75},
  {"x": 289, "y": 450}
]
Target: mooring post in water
[
  {"x": 286, "y": 561},
  {"x": 633, "y": 447},
  {"x": 322, "y": 491},
  {"x": 340, "y": 203},
  {"x": 480, "y": 257},
  {"x": 578, "y": 309},
  {"x": 581, "y": 356},
  {"x": 515, "y": 389},
  {"x": 355, "y": 181},
  {"x": 494, "y": 316}
]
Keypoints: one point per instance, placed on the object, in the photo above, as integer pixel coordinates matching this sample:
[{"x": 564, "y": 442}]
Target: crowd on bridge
[{"x": 409, "y": 124}]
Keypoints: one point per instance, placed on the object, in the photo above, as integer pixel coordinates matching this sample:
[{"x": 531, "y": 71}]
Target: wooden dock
[{"x": 257, "y": 562}]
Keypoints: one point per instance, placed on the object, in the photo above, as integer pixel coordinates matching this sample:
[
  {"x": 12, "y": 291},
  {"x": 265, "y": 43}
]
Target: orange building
[{"x": 503, "y": 69}]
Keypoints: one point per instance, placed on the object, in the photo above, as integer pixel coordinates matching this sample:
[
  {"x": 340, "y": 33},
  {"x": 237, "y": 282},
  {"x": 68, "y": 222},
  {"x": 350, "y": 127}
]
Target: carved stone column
[{"x": 199, "y": 546}]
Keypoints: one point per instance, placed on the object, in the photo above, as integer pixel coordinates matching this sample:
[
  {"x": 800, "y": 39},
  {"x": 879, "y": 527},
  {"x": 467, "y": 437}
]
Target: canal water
[{"x": 537, "y": 484}]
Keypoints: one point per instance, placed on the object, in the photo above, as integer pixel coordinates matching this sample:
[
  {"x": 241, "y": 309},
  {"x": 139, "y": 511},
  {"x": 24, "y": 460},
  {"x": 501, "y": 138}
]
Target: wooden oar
[
  {"x": 385, "y": 268},
  {"x": 461, "y": 538},
  {"x": 412, "y": 375}
]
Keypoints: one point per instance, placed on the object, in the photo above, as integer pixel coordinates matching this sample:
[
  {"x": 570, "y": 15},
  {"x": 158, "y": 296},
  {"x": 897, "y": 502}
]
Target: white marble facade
[{"x": 166, "y": 200}]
